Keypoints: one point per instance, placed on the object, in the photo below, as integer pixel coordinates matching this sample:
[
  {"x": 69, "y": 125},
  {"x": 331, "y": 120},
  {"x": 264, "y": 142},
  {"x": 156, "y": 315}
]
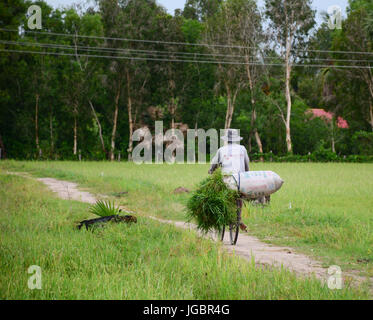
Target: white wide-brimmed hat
[{"x": 231, "y": 135}]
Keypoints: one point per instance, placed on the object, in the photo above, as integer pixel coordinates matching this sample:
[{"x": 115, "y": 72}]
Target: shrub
[
  {"x": 324, "y": 155},
  {"x": 363, "y": 143}
]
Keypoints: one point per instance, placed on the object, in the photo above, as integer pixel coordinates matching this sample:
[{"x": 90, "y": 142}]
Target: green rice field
[{"x": 323, "y": 210}]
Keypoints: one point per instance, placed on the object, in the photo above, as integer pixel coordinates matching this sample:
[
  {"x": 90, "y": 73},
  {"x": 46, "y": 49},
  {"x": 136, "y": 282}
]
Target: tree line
[{"x": 96, "y": 73}]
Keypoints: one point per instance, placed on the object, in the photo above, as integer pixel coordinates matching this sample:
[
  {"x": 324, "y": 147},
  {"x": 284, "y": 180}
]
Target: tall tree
[
  {"x": 250, "y": 30},
  {"x": 291, "y": 22},
  {"x": 356, "y": 36},
  {"x": 86, "y": 69},
  {"x": 11, "y": 14},
  {"x": 222, "y": 32},
  {"x": 173, "y": 74},
  {"x": 131, "y": 20}
]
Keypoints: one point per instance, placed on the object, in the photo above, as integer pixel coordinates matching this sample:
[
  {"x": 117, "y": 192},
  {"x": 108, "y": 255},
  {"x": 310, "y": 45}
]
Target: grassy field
[{"x": 330, "y": 218}]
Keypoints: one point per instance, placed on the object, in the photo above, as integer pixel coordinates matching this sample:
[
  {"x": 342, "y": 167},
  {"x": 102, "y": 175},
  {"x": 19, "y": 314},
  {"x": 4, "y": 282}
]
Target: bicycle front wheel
[
  {"x": 221, "y": 234},
  {"x": 234, "y": 230}
]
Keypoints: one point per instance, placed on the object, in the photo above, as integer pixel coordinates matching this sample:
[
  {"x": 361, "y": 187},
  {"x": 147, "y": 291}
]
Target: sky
[{"x": 171, "y": 5}]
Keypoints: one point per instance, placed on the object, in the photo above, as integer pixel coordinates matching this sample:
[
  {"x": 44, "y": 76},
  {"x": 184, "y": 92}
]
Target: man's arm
[
  {"x": 247, "y": 161},
  {"x": 215, "y": 163}
]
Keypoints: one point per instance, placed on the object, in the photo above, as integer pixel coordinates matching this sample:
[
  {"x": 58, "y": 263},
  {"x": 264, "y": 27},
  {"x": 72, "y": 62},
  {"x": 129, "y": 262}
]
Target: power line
[
  {"x": 176, "y": 43},
  {"x": 128, "y": 40},
  {"x": 336, "y": 60},
  {"x": 134, "y": 58},
  {"x": 127, "y": 50},
  {"x": 187, "y": 61},
  {"x": 114, "y": 50},
  {"x": 167, "y": 53}
]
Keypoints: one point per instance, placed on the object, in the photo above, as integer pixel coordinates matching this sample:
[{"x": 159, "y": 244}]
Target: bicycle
[{"x": 234, "y": 229}]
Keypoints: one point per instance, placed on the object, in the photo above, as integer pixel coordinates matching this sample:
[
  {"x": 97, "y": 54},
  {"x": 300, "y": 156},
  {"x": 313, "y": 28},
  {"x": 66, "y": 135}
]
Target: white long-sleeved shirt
[{"x": 233, "y": 159}]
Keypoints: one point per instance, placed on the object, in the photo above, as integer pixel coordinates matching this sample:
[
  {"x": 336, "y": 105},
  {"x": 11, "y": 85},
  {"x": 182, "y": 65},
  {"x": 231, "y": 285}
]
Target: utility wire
[
  {"x": 116, "y": 51},
  {"x": 167, "y": 53},
  {"x": 134, "y": 58},
  {"x": 127, "y": 50},
  {"x": 126, "y": 39},
  {"x": 188, "y": 61},
  {"x": 175, "y": 43}
]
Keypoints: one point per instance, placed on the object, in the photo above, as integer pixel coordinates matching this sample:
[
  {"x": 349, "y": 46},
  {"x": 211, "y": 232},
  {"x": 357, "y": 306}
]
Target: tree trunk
[
  {"x": 289, "y": 41},
  {"x": 173, "y": 111},
  {"x": 333, "y": 136},
  {"x": 37, "y": 123},
  {"x": 230, "y": 109},
  {"x": 99, "y": 128},
  {"x": 250, "y": 143},
  {"x": 172, "y": 106},
  {"x": 115, "y": 120},
  {"x": 259, "y": 143},
  {"x": 253, "y": 129},
  {"x": 227, "y": 124},
  {"x": 288, "y": 138},
  {"x": 253, "y": 115},
  {"x": 75, "y": 149},
  {"x": 130, "y": 118},
  {"x": 288, "y": 110}
]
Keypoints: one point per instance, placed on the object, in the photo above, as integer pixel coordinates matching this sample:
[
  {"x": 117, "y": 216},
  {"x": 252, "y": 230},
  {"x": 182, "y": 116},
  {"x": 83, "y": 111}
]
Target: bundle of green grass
[{"x": 213, "y": 205}]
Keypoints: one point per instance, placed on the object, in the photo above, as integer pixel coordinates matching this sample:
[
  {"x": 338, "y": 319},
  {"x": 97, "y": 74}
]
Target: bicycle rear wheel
[
  {"x": 234, "y": 229},
  {"x": 221, "y": 234}
]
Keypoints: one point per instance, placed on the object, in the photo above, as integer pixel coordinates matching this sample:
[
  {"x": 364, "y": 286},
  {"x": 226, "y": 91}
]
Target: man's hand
[{"x": 213, "y": 168}]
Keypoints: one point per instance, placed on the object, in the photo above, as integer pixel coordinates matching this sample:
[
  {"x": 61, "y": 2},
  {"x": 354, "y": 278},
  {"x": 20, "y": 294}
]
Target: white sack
[{"x": 255, "y": 184}]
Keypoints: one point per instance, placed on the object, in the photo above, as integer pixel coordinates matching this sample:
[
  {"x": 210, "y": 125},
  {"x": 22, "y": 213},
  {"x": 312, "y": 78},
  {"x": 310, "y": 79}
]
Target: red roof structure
[{"x": 327, "y": 117}]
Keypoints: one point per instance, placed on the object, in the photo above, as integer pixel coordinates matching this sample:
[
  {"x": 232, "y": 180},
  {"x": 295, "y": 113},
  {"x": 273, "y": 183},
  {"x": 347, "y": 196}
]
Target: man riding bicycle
[{"x": 233, "y": 159}]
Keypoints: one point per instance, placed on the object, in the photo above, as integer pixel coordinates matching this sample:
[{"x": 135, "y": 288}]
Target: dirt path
[
  {"x": 248, "y": 247},
  {"x": 68, "y": 190}
]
